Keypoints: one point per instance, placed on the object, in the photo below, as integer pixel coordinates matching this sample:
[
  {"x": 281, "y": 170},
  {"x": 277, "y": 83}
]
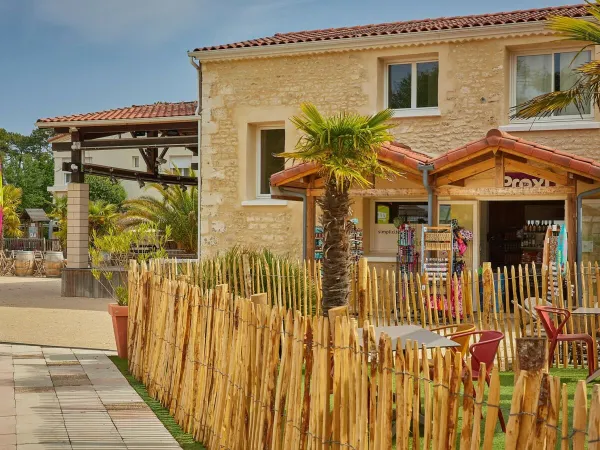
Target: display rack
[
  {"x": 407, "y": 259},
  {"x": 436, "y": 251},
  {"x": 318, "y": 243},
  {"x": 356, "y": 242}
]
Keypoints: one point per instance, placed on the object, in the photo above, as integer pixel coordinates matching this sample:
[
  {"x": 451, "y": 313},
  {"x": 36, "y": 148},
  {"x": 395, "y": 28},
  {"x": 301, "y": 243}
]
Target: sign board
[
  {"x": 33, "y": 231},
  {"x": 523, "y": 180}
]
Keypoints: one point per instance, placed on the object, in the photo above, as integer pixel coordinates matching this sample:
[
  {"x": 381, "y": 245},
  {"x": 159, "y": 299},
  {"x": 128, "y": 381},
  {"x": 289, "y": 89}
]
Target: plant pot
[{"x": 119, "y": 319}]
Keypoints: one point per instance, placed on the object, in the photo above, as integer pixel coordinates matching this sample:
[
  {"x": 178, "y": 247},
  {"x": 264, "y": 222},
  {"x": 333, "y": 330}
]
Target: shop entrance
[{"x": 515, "y": 230}]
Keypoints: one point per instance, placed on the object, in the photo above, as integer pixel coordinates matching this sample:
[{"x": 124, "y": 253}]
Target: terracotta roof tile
[
  {"x": 412, "y": 26},
  {"x": 155, "y": 110}
]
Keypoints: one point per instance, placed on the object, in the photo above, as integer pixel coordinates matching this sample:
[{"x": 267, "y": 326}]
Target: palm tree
[
  {"x": 176, "y": 207},
  {"x": 102, "y": 217},
  {"x": 11, "y": 220},
  {"x": 345, "y": 146},
  {"x": 586, "y": 89}
]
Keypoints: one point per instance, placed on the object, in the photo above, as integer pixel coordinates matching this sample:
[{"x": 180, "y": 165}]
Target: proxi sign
[{"x": 523, "y": 180}]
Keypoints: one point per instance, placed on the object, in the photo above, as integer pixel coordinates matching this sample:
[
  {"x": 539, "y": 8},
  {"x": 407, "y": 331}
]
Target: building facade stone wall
[{"x": 239, "y": 95}]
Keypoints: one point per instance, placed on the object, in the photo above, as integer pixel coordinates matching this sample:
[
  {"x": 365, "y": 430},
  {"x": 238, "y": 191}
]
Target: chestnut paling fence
[
  {"x": 241, "y": 373},
  {"x": 502, "y": 300}
]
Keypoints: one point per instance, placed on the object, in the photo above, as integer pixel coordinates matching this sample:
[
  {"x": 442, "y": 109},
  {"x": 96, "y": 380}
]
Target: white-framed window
[
  {"x": 67, "y": 177},
  {"x": 270, "y": 142},
  {"x": 540, "y": 72},
  {"x": 135, "y": 161},
  {"x": 87, "y": 160},
  {"x": 411, "y": 88},
  {"x": 182, "y": 163}
]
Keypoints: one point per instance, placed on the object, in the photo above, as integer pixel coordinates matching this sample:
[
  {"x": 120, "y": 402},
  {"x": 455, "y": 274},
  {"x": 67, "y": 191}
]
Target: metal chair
[
  {"x": 555, "y": 335},
  {"x": 459, "y": 334}
]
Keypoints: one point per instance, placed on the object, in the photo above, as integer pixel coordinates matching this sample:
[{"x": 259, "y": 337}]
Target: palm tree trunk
[{"x": 335, "y": 205}]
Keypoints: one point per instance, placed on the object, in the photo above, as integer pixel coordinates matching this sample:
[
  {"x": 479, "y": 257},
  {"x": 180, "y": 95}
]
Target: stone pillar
[{"x": 77, "y": 223}]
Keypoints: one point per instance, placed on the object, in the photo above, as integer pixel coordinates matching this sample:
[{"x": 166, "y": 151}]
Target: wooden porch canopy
[
  {"x": 150, "y": 128},
  {"x": 498, "y": 153}
]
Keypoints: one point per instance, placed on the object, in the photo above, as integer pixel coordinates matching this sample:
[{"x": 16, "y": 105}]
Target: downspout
[
  {"x": 198, "y": 113},
  {"x": 301, "y": 195},
  {"x": 425, "y": 168},
  {"x": 580, "y": 198}
]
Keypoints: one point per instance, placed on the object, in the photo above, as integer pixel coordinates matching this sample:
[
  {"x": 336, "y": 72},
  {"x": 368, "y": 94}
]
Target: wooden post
[
  {"x": 531, "y": 355},
  {"x": 76, "y": 158},
  {"x": 363, "y": 271},
  {"x": 311, "y": 207},
  {"x": 499, "y": 166},
  {"x": 435, "y": 207},
  {"x": 571, "y": 222}
]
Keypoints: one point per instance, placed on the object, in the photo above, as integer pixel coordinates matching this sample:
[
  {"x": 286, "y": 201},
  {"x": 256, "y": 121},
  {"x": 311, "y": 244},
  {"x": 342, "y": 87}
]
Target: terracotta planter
[{"x": 119, "y": 319}]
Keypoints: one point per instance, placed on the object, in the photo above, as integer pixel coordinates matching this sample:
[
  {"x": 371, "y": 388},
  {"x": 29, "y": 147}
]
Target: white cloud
[{"x": 115, "y": 20}]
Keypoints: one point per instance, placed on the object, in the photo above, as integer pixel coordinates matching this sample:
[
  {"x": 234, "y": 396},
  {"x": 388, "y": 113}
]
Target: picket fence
[
  {"x": 241, "y": 373},
  {"x": 503, "y": 300}
]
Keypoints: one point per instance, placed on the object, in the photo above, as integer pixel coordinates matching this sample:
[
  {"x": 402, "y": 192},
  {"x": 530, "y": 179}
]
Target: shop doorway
[{"x": 515, "y": 230}]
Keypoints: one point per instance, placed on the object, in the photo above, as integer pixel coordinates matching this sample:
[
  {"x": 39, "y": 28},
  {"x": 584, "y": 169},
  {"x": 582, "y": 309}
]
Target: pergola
[
  {"x": 152, "y": 129},
  {"x": 448, "y": 175}
]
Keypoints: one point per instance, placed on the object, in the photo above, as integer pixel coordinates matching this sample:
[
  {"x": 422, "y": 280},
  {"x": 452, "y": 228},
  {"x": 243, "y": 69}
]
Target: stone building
[{"x": 449, "y": 81}]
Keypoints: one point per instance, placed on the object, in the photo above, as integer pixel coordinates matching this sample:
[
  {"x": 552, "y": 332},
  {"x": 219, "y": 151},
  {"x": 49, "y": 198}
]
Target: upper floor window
[
  {"x": 412, "y": 87},
  {"x": 135, "y": 161},
  {"x": 67, "y": 177},
  {"x": 542, "y": 73},
  {"x": 87, "y": 160},
  {"x": 271, "y": 141}
]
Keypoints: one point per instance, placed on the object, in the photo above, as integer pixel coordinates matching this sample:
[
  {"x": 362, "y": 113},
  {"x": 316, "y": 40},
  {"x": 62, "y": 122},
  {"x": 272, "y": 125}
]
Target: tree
[
  {"x": 586, "y": 89},
  {"x": 11, "y": 221},
  {"x": 101, "y": 188},
  {"x": 345, "y": 146},
  {"x": 28, "y": 164},
  {"x": 177, "y": 208}
]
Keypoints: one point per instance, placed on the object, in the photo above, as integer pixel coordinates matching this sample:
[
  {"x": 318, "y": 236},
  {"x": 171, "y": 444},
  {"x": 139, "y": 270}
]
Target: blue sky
[{"x": 62, "y": 57}]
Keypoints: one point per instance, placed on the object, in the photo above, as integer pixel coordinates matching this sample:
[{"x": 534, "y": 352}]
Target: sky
[{"x": 60, "y": 57}]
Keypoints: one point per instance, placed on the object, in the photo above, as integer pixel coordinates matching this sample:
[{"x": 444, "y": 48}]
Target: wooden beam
[
  {"x": 461, "y": 161},
  {"x": 126, "y": 128},
  {"x": 407, "y": 192},
  {"x": 435, "y": 207},
  {"x": 449, "y": 191},
  {"x": 499, "y": 165},
  {"x": 109, "y": 144},
  {"x": 311, "y": 222},
  {"x": 414, "y": 177},
  {"x": 126, "y": 174},
  {"x": 465, "y": 172},
  {"x": 512, "y": 152},
  {"x": 517, "y": 166},
  {"x": 571, "y": 222}
]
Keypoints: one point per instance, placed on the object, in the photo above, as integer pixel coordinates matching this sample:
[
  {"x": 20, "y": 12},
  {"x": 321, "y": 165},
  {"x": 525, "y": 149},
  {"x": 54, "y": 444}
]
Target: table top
[
  {"x": 584, "y": 311},
  {"x": 413, "y": 333}
]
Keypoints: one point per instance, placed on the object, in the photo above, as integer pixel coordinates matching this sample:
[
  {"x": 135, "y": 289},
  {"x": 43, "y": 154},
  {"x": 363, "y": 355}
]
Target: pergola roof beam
[
  {"x": 125, "y": 174},
  {"x": 117, "y": 144}
]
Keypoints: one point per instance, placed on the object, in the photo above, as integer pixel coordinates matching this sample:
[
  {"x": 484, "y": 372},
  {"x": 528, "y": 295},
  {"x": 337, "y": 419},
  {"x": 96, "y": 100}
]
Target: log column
[{"x": 571, "y": 222}]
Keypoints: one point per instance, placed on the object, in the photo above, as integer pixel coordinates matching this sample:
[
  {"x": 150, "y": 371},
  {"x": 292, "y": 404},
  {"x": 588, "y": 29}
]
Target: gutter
[
  {"x": 425, "y": 168},
  {"x": 198, "y": 112},
  {"x": 278, "y": 191},
  {"x": 580, "y": 198}
]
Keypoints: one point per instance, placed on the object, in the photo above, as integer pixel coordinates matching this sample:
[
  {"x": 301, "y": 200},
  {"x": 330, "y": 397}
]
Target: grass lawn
[
  {"x": 568, "y": 376},
  {"x": 185, "y": 440}
]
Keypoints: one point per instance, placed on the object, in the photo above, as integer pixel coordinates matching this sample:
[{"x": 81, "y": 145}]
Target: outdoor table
[
  {"x": 585, "y": 311},
  {"x": 412, "y": 333}
]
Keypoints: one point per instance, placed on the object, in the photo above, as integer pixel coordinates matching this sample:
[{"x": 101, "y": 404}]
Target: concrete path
[
  {"x": 33, "y": 312},
  {"x": 57, "y": 398}
]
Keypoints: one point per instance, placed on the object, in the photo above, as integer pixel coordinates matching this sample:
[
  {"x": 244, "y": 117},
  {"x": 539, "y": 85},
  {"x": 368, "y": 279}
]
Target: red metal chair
[
  {"x": 484, "y": 351},
  {"x": 555, "y": 334}
]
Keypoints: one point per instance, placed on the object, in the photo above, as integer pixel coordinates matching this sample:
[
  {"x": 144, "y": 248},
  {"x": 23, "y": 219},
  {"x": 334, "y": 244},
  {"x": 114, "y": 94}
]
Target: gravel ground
[{"x": 33, "y": 312}]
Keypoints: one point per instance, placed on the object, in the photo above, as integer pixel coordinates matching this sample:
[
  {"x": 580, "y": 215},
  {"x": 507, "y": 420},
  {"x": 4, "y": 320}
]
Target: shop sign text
[{"x": 523, "y": 180}]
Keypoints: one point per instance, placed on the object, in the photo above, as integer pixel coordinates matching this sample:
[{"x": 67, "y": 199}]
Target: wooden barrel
[
  {"x": 53, "y": 264},
  {"x": 24, "y": 263}
]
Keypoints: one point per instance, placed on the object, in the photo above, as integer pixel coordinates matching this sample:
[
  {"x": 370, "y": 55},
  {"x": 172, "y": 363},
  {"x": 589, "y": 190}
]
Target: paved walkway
[
  {"x": 57, "y": 398},
  {"x": 33, "y": 312}
]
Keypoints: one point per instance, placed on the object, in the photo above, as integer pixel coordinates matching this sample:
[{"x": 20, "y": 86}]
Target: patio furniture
[
  {"x": 38, "y": 264},
  {"x": 457, "y": 334},
  {"x": 414, "y": 333},
  {"x": 587, "y": 311},
  {"x": 484, "y": 351},
  {"x": 555, "y": 334}
]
